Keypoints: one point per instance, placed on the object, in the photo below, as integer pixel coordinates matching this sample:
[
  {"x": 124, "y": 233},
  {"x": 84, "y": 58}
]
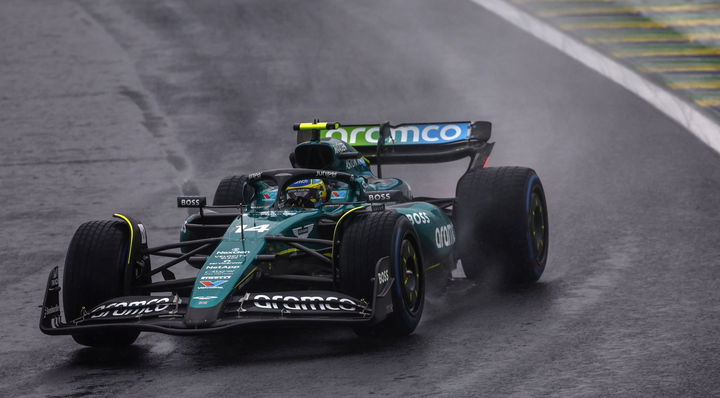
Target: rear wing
[{"x": 408, "y": 143}]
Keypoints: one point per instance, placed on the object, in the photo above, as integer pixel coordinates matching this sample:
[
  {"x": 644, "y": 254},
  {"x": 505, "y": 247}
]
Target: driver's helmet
[{"x": 306, "y": 193}]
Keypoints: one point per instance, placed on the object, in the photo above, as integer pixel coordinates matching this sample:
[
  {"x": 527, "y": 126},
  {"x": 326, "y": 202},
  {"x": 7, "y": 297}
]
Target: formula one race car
[{"x": 326, "y": 242}]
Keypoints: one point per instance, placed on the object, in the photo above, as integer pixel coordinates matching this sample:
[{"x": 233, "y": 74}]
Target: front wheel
[
  {"x": 369, "y": 238},
  {"x": 232, "y": 191},
  {"x": 96, "y": 270}
]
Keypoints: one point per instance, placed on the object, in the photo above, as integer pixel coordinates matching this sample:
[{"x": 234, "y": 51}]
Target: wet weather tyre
[
  {"x": 367, "y": 239},
  {"x": 96, "y": 271},
  {"x": 230, "y": 191},
  {"x": 501, "y": 221}
]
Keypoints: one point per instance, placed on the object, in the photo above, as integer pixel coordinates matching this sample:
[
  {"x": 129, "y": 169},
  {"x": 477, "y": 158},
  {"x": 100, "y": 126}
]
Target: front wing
[{"x": 166, "y": 314}]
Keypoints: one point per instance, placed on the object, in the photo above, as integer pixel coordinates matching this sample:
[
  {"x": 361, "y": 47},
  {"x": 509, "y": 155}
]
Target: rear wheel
[
  {"x": 96, "y": 270},
  {"x": 230, "y": 191},
  {"x": 501, "y": 219},
  {"x": 369, "y": 238}
]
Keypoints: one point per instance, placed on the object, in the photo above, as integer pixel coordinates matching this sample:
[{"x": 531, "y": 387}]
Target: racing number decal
[{"x": 262, "y": 228}]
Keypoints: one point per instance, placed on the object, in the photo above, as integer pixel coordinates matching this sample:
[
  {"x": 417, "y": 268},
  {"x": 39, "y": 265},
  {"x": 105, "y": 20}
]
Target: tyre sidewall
[
  {"x": 535, "y": 267},
  {"x": 402, "y": 315}
]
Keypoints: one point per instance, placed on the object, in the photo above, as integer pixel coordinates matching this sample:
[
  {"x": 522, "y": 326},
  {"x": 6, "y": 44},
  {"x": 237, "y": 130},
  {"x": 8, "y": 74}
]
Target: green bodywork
[{"x": 234, "y": 259}]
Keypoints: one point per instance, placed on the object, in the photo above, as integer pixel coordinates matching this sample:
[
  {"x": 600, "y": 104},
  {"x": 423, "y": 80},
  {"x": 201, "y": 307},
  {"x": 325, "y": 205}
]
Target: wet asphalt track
[{"x": 118, "y": 105}]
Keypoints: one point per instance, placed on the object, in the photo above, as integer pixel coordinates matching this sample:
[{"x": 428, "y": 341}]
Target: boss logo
[
  {"x": 191, "y": 201},
  {"x": 385, "y": 196},
  {"x": 378, "y": 197},
  {"x": 418, "y": 218},
  {"x": 383, "y": 276}
]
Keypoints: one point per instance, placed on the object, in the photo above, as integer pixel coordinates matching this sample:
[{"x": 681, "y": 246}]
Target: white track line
[{"x": 701, "y": 125}]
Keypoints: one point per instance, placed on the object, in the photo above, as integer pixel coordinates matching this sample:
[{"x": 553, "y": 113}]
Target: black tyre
[
  {"x": 501, "y": 220},
  {"x": 367, "y": 239},
  {"x": 96, "y": 270},
  {"x": 230, "y": 191}
]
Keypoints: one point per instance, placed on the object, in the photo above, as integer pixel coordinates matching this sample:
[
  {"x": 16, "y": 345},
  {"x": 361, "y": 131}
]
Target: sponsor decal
[
  {"x": 50, "y": 311},
  {"x": 383, "y": 196},
  {"x": 261, "y": 228},
  {"x": 269, "y": 195},
  {"x": 214, "y": 277},
  {"x": 383, "y": 276},
  {"x": 326, "y": 173},
  {"x": 349, "y": 164},
  {"x": 211, "y": 284},
  {"x": 401, "y": 135},
  {"x": 418, "y": 218},
  {"x": 303, "y": 232},
  {"x": 234, "y": 250},
  {"x": 444, "y": 236},
  {"x": 339, "y": 147},
  {"x": 228, "y": 259},
  {"x": 213, "y": 266},
  {"x": 302, "y": 303},
  {"x": 125, "y": 308},
  {"x": 204, "y": 297},
  {"x": 339, "y": 194},
  {"x": 289, "y": 213},
  {"x": 214, "y": 272},
  {"x": 376, "y": 197},
  {"x": 191, "y": 201},
  {"x": 254, "y": 176}
]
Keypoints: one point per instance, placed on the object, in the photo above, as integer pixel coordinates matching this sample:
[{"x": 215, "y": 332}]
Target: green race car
[{"x": 326, "y": 242}]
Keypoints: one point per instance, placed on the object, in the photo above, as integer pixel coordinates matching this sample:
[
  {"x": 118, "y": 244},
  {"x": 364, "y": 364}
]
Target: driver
[{"x": 306, "y": 193}]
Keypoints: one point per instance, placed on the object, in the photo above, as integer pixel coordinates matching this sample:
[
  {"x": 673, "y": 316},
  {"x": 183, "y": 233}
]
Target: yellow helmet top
[{"x": 306, "y": 193}]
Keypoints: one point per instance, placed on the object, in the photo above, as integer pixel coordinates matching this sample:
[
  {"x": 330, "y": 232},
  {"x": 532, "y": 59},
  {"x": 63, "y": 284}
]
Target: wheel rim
[
  {"x": 410, "y": 276},
  {"x": 538, "y": 225}
]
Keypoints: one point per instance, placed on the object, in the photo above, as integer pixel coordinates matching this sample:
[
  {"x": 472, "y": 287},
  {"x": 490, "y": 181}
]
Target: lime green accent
[
  {"x": 432, "y": 267},
  {"x": 318, "y": 126},
  {"x": 245, "y": 278},
  {"x": 132, "y": 234},
  {"x": 288, "y": 251},
  {"x": 338, "y": 225}
]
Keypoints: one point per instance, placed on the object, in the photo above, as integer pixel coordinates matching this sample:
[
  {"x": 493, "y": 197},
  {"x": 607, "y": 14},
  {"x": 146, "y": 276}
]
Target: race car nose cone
[{"x": 197, "y": 318}]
